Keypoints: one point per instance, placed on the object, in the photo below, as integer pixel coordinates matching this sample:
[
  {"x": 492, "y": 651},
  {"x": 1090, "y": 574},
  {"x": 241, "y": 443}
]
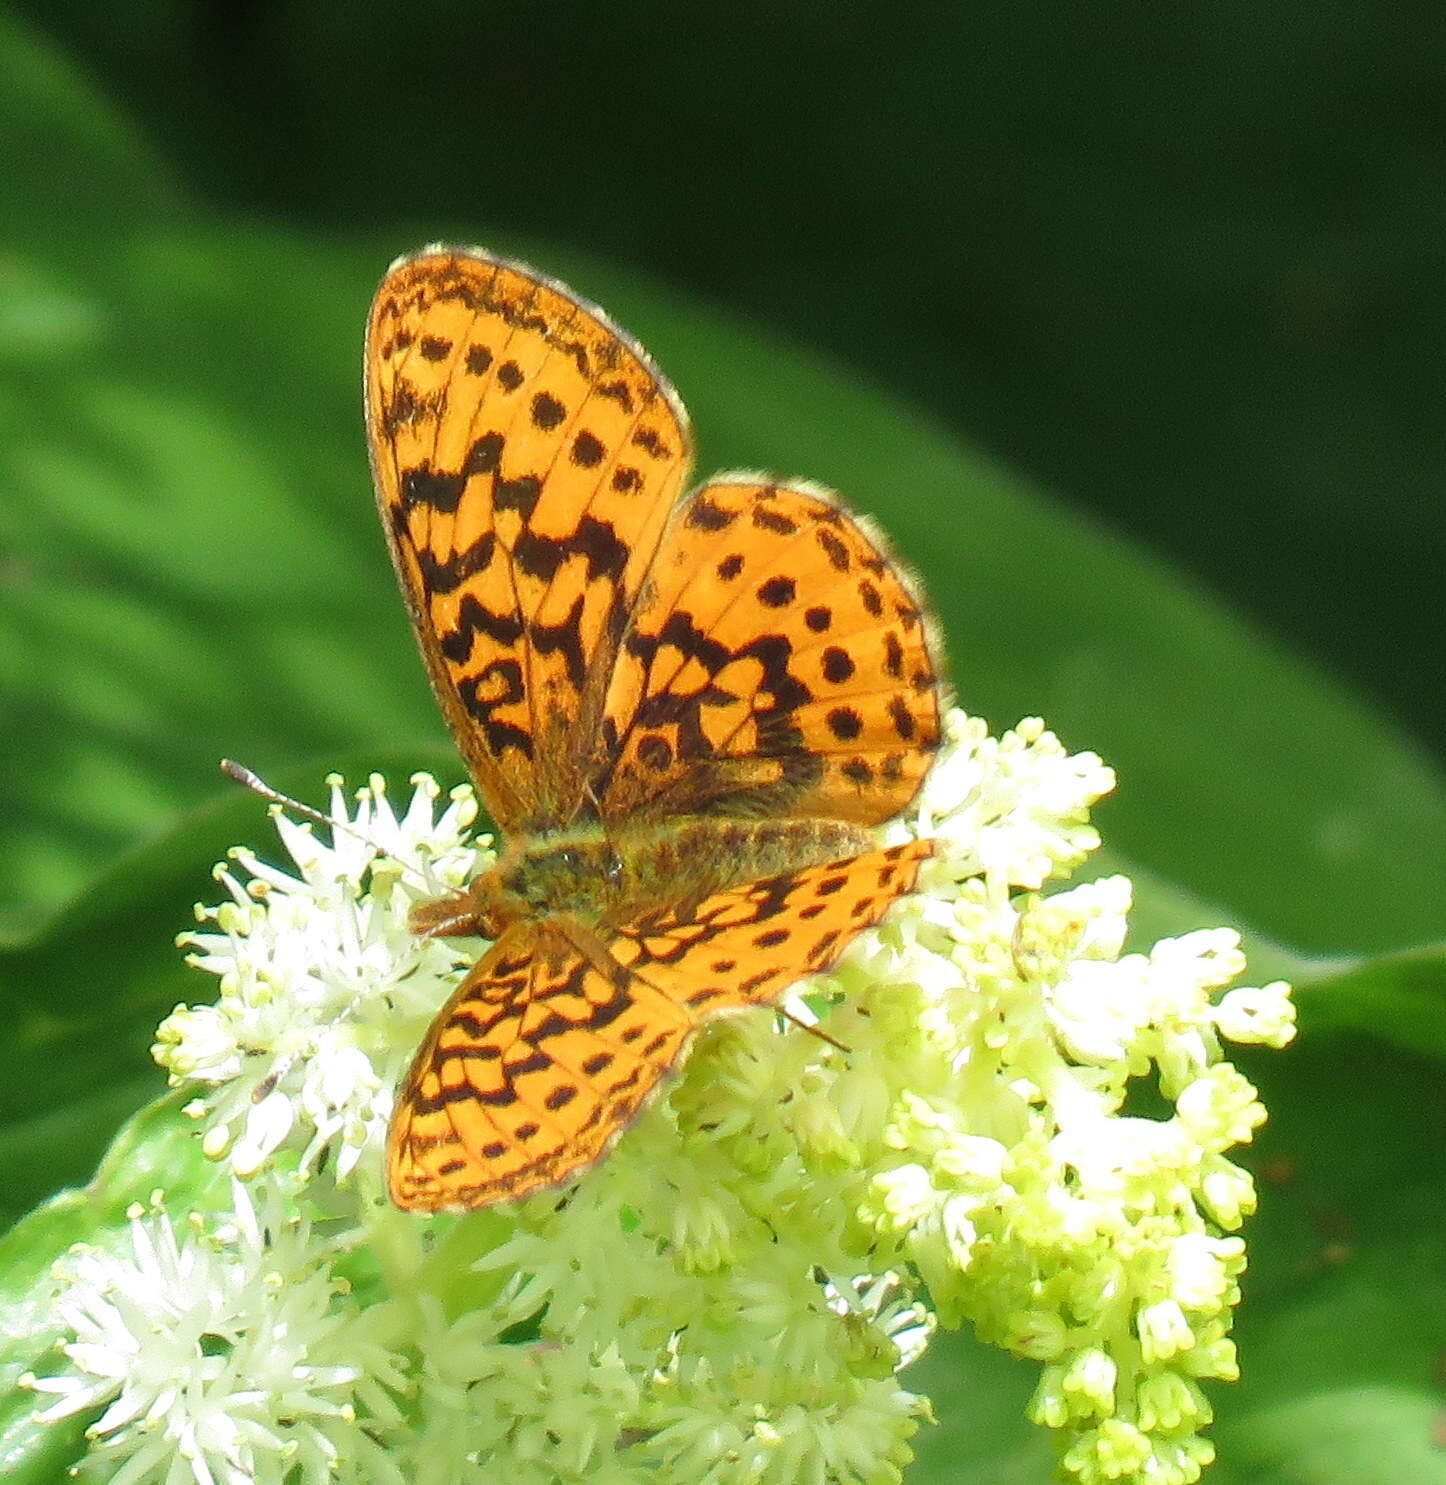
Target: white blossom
[{"x": 730, "y": 1296}]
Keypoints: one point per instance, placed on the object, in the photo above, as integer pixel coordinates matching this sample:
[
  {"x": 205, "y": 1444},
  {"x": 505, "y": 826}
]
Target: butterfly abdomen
[
  {"x": 596, "y": 877},
  {"x": 691, "y": 858}
]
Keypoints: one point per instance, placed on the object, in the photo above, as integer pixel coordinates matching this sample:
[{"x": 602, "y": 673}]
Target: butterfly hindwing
[
  {"x": 746, "y": 945},
  {"x": 780, "y": 663}
]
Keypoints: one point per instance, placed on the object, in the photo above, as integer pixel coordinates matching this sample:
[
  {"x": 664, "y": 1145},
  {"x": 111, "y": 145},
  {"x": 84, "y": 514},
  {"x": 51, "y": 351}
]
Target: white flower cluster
[
  {"x": 322, "y": 983},
  {"x": 732, "y": 1294},
  {"x": 220, "y": 1354}
]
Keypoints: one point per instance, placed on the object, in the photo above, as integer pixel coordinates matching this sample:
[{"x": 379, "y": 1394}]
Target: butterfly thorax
[
  {"x": 575, "y": 871},
  {"x": 601, "y": 876}
]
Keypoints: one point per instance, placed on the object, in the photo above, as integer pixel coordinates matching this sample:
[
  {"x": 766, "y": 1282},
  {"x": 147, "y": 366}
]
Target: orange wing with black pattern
[
  {"x": 527, "y": 454},
  {"x": 544, "y": 1056},
  {"x": 780, "y": 663}
]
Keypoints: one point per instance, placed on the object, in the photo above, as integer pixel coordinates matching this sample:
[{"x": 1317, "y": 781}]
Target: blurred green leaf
[
  {"x": 1341, "y": 1331},
  {"x": 1400, "y": 998},
  {"x": 192, "y": 529},
  {"x": 69, "y": 157}
]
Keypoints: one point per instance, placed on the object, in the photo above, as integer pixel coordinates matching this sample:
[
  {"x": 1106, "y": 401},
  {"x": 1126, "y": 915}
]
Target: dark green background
[
  {"x": 1128, "y": 329},
  {"x": 1184, "y": 268}
]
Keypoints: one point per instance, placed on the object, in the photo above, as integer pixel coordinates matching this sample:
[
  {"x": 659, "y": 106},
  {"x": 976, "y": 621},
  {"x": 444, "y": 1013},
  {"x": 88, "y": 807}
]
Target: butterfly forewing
[
  {"x": 526, "y": 455},
  {"x": 532, "y": 1068},
  {"x": 542, "y": 1057}
]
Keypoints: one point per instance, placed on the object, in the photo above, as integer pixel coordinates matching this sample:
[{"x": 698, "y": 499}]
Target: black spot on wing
[
  {"x": 768, "y": 519},
  {"x": 834, "y": 549},
  {"x": 446, "y": 576},
  {"x": 838, "y": 666},
  {"x": 845, "y": 723},
  {"x": 616, "y": 391},
  {"x": 520, "y": 494},
  {"x": 547, "y": 411},
  {"x": 485, "y": 455},
  {"x": 777, "y": 592},
  {"x": 705, "y": 514},
  {"x": 436, "y": 489},
  {"x": 902, "y": 718}
]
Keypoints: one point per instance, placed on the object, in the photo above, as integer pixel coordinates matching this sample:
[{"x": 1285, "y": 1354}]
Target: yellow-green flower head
[{"x": 732, "y": 1294}]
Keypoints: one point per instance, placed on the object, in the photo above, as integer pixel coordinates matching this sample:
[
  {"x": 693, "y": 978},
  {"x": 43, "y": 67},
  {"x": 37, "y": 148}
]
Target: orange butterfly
[{"x": 684, "y": 711}]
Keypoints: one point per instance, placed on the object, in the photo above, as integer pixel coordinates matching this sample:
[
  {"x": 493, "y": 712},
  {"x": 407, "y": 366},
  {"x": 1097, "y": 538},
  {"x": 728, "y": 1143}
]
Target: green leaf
[
  {"x": 198, "y": 531},
  {"x": 1340, "y": 1333},
  {"x": 55, "y": 126},
  {"x": 77, "y": 1058},
  {"x": 1397, "y": 997}
]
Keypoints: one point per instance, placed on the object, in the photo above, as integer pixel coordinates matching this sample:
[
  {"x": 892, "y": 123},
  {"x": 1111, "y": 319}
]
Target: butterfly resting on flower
[{"x": 686, "y": 712}]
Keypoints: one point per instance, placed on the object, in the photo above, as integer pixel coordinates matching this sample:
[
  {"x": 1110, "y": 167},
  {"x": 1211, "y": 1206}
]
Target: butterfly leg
[
  {"x": 484, "y": 908},
  {"x": 591, "y": 947},
  {"x": 453, "y": 916}
]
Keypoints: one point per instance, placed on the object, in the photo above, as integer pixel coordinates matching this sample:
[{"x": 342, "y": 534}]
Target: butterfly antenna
[{"x": 257, "y": 785}]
